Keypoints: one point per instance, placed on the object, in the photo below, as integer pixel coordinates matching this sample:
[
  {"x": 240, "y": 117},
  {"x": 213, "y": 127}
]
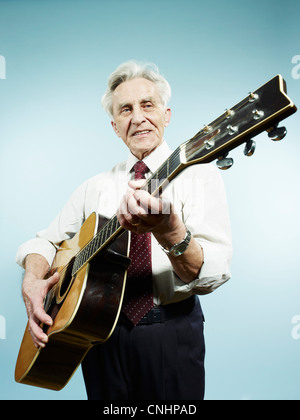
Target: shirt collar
[{"x": 154, "y": 160}]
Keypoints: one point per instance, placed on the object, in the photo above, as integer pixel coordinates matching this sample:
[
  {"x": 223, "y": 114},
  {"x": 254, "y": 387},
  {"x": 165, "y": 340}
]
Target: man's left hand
[{"x": 141, "y": 212}]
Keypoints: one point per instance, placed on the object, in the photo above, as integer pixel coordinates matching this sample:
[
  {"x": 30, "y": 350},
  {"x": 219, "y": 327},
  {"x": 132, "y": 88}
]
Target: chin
[
  {"x": 150, "y": 144},
  {"x": 142, "y": 146}
]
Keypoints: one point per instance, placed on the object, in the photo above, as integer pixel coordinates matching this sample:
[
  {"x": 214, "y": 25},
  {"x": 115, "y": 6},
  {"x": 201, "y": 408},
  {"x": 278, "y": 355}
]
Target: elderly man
[{"x": 177, "y": 251}]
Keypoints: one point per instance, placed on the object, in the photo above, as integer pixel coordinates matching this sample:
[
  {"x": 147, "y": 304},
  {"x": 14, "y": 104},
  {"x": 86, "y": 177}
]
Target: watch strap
[{"x": 180, "y": 247}]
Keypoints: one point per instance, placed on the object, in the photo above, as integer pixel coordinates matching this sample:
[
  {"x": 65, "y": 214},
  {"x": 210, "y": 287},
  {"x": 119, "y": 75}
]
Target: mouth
[{"x": 141, "y": 132}]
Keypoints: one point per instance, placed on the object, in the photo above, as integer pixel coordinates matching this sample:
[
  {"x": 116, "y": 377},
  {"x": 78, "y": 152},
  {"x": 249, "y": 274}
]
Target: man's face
[{"x": 139, "y": 116}]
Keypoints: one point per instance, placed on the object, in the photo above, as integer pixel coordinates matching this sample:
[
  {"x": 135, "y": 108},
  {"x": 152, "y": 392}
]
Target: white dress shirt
[{"x": 197, "y": 195}]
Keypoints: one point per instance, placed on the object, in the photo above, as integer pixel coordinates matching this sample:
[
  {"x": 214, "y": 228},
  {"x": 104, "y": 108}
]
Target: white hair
[{"x": 131, "y": 70}]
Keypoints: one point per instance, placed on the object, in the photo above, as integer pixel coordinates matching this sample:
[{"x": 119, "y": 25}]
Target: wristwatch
[{"x": 180, "y": 247}]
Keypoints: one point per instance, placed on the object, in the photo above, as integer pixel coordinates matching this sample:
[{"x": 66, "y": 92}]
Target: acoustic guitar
[{"x": 85, "y": 304}]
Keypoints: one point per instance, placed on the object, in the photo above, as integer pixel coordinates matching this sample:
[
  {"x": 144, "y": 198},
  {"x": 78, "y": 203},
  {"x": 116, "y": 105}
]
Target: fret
[
  {"x": 116, "y": 224},
  {"x": 100, "y": 238},
  {"x": 76, "y": 265},
  {"x": 109, "y": 228},
  {"x": 97, "y": 240},
  {"x": 147, "y": 185},
  {"x": 84, "y": 254},
  {"x": 105, "y": 233},
  {"x": 174, "y": 160},
  {"x": 162, "y": 172},
  {"x": 113, "y": 225},
  {"x": 92, "y": 247},
  {"x": 156, "y": 184},
  {"x": 168, "y": 168},
  {"x": 83, "y": 257},
  {"x": 110, "y": 225},
  {"x": 80, "y": 259}
]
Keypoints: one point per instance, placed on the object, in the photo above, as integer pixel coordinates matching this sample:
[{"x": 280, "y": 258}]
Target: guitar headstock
[{"x": 259, "y": 111}]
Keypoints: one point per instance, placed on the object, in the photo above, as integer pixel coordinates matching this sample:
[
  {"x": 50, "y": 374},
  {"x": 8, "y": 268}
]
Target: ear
[
  {"x": 114, "y": 126},
  {"x": 168, "y": 114}
]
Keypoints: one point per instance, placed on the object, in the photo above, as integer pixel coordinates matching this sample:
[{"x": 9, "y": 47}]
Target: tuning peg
[
  {"x": 277, "y": 133},
  {"x": 224, "y": 163},
  {"x": 249, "y": 148}
]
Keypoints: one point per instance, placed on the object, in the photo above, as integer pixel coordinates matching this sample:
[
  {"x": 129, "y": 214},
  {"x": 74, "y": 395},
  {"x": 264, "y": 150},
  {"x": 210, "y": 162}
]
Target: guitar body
[{"x": 84, "y": 308}]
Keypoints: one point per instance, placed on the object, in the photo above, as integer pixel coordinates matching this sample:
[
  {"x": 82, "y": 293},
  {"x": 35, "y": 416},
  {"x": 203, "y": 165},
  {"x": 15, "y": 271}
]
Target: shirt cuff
[
  {"x": 214, "y": 272},
  {"x": 36, "y": 246}
]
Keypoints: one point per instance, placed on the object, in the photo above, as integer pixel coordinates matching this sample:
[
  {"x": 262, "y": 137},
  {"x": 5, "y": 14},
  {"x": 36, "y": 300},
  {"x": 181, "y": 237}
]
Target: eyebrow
[
  {"x": 143, "y": 101},
  {"x": 149, "y": 99},
  {"x": 124, "y": 105}
]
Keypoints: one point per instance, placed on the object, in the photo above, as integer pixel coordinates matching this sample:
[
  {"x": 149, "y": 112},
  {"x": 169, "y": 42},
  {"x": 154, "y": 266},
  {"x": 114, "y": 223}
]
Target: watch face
[{"x": 180, "y": 249}]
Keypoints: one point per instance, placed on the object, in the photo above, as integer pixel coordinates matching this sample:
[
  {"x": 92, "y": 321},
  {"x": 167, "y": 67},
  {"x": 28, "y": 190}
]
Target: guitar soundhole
[{"x": 66, "y": 281}]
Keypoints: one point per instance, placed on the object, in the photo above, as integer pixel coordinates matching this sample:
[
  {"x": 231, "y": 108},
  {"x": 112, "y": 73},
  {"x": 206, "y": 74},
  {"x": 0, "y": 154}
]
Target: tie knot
[{"x": 140, "y": 168}]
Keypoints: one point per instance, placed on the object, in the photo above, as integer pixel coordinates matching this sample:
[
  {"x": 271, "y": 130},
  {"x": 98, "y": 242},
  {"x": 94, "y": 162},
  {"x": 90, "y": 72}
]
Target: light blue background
[{"x": 54, "y": 135}]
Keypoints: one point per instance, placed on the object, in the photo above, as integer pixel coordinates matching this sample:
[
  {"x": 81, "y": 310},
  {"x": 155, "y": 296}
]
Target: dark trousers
[{"x": 160, "y": 361}]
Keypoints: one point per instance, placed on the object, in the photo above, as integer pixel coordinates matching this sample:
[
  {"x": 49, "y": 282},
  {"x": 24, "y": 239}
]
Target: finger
[
  {"x": 134, "y": 208},
  {"x": 137, "y": 184},
  {"x": 150, "y": 204},
  {"x": 51, "y": 281},
  {"x": 154, "y": 205},
  {"x": 123, "y": 209},
  {"x": 123, "y": 214},
  {"x": 126, "y": 224},
  {"x": 41, "y": 315},
  {"x": 37, "y": 334}
]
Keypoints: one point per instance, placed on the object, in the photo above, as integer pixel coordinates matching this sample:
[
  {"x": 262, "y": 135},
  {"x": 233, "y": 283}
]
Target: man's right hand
[{"x": 34, "y": 291}]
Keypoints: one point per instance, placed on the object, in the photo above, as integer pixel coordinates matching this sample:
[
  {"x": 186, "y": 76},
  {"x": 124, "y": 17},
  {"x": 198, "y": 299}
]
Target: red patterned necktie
[{"x": 138, "y": 299}]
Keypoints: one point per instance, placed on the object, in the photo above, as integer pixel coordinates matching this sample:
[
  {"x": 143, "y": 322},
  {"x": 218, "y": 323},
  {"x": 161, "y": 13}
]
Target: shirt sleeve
[
  {"x": 64, "y": 226},
  {"x": 205, "y": 212}
]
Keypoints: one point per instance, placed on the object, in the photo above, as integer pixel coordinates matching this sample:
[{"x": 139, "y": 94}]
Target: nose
[{"x": 137, "y": 116}]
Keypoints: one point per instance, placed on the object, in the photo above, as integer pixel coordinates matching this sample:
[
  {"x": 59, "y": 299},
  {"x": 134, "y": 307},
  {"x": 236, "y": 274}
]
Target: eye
[
  {"x": 125, "y": 110},
  {"x": 148, "y": 105}
]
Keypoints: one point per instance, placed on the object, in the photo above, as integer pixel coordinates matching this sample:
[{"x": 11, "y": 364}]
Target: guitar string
[{"x": 171, "y": 160}]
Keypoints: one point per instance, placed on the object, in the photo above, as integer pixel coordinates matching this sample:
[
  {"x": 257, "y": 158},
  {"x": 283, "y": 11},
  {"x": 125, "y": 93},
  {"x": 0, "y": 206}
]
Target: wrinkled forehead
[{"x": 135, "y": 91}]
